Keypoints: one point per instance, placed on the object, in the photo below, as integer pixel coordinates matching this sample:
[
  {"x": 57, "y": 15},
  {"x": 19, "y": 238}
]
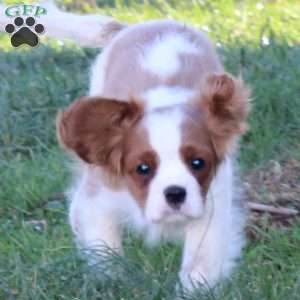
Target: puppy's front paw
[{"x": 195, "y": 278}]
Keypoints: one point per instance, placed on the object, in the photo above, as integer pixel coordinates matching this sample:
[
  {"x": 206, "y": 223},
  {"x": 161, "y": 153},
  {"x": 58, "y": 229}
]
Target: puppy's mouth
[{"x": 172, "y": 217}]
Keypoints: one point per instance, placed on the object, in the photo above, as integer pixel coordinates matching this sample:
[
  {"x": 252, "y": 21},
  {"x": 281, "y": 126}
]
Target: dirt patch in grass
[{"x": 276, "y": 184}]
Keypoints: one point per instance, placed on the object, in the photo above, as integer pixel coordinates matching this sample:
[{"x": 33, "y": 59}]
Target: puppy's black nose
[{"x": 175, "y": 196}]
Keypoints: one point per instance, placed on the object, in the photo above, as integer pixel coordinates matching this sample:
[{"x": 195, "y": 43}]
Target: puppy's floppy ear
[
  {"x": 94, "y": 128},
  {"x": 225, "y": 103}
]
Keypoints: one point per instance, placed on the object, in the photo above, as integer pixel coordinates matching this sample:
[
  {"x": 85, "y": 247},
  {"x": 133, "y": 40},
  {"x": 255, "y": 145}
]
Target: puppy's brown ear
[
  {"x": 225, "y": 103},
  {"x": 94, "y": 128}
]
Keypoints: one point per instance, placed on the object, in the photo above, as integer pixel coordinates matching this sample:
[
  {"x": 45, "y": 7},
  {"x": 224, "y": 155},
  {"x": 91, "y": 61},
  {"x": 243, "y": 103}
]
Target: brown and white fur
[{"x": 160, "y": 98}]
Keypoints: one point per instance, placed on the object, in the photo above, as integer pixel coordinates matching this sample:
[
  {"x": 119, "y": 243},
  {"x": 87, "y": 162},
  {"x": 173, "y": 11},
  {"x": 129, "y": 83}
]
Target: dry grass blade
[{"x": 272, "y": 209}]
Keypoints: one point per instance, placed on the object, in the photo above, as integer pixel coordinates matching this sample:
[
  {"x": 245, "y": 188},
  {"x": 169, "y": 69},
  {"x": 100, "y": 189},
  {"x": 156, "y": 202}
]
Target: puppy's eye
[
  {"x": 197, "y": 164},
  {"x": 143, "y": 169}
]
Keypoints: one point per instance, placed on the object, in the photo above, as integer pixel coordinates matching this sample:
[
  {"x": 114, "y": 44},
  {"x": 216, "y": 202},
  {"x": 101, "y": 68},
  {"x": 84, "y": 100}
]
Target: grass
[{"x": 38, "y": 259}]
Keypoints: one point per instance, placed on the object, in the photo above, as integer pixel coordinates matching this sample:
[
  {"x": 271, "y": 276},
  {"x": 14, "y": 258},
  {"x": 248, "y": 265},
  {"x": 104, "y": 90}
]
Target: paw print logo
[{"x": 22, "y": 34}]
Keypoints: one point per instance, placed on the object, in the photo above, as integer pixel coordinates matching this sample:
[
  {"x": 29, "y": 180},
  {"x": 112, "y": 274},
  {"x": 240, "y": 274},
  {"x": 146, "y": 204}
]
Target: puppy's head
[{"x": 168, "y": 156}]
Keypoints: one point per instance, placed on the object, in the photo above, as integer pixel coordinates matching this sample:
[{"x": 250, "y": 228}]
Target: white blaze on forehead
[
  {"x": 166, "y": 96},
  {"x": 164, "y": 131},
  {"x": 164, "y": 126},
  {"x": 161, "y": 57}
]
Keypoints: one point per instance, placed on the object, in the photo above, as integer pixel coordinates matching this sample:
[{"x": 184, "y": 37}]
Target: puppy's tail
[{"x": 86, "y": 30}]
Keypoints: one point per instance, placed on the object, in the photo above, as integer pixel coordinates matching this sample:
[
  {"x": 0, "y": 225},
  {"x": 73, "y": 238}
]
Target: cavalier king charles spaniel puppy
[{"x": 155, "y": 140}]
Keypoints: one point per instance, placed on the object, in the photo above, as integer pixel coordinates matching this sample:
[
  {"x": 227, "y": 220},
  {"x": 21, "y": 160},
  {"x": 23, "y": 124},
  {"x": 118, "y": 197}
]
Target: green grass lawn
[{"x": 38, "y": 259}]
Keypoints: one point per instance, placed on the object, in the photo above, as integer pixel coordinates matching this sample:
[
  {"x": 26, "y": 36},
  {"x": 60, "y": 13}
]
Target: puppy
[{"x": 155, "y": 142}]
